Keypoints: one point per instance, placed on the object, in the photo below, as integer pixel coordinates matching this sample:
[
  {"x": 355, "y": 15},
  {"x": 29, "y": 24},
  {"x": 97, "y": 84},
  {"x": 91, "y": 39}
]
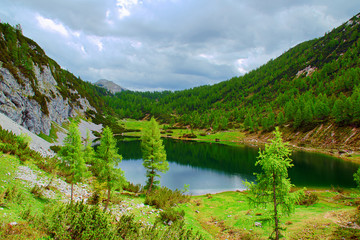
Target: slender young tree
[
  {"x": 273, "y": 185},
  {"x": 72, "y": 157},
  {"x": 89, "y": 153},
  {"x": 154, "y": 155},
  {"x": 108, "y": 158}
]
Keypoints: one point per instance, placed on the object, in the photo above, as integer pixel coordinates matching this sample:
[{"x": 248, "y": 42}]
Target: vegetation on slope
[
  {"x": 313, "y": 83},
  {"x": 20, "y": 54}
]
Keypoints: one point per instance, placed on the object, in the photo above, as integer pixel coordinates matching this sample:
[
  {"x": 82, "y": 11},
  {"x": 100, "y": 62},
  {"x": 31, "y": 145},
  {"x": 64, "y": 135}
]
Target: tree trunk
[
  {"x": 151, "y": 184},
  {"x": 108, "y": 199},
  {"x": 277, "y": 233}
]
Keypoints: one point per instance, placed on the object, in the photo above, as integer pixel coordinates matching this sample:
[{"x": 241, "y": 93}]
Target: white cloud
[
  {"x": 97, "y": 42},
  {"x": 124, "y": 7},
  {"x": 241, "y": 65},
  {"x": 51, "y": 25},
  {"x": 171, "y": 44}
]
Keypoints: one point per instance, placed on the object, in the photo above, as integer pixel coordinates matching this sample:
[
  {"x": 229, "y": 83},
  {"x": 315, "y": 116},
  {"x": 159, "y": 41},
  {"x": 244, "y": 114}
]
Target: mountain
[
  {"x": 34, "y": 90},
  {"x": 109, "y": 85},
  {"x": 314, "y": 83}
]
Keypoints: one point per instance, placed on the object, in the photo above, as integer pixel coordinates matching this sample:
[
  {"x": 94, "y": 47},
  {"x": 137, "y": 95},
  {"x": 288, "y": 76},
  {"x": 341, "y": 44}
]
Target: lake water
[{"x": 212, "y": 168}]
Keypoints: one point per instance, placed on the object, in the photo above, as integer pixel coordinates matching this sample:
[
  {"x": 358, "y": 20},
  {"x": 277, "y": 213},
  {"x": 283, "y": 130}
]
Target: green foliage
[
  {"x": 154, "y": 155},
  {"x": 303, "y": 83},
  {"x": 81, "y": 221},
  {"x": 357, "y": 177},
  {"x": 78, "y": 221},
  {"x": 163, "y": 198},
  {"x": 107, "y": 159},
  {"x": 308, "y": 199},
  {"x": 19, "y": 146},
  {"x": 131, "y": 187},
  {"x": 273, "y": 185},
  {"x": 89, "y": 153},
  {"x": 170, "y": 215},
  {"x": 72, "y": 157}
]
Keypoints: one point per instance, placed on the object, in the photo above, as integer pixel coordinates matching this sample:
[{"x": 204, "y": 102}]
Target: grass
[
  {"x": 213, "y": 218},
  {"x": 230, "y": 137},
  {"x": 52, "y": 137}
]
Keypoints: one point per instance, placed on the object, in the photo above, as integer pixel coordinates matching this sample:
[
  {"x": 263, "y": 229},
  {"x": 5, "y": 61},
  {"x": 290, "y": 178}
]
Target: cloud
[
  {"x": 49, "y": 24},
  {"x": 171, "y": 44}
]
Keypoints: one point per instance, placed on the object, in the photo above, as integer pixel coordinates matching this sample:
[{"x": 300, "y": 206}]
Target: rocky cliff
[{"x": 34, "y": 90}]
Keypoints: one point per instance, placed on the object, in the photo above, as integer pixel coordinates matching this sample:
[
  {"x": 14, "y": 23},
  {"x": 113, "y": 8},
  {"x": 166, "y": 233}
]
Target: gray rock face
[
  {"x": 16, "y": 101},
  {"x": 109, "y": 85}
]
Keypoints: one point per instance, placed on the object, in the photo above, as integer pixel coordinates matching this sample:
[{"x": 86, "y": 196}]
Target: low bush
[
  {"x": 78, "y": 221},
  {"x": 128, "y": 228},
  {"x": 309, "y": 198},
  {"x": 165, "y": 198},
  {"x": 189, "y": 135},
  {"x": 37, "y": 191},
  {"x": 135, "y": 188},
  {"x": 81, "y": 221},
  {"x": 170, "y": 216}
]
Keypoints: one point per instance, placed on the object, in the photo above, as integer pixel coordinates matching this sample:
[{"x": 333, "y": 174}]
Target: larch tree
[
  {"x": 273, "y": 186},
  {"x": 154, "y": 155},
  {"x": 89, "y": 153},
  {"x": 72, "y": 157},
  {"x": 108, "y": 159}
]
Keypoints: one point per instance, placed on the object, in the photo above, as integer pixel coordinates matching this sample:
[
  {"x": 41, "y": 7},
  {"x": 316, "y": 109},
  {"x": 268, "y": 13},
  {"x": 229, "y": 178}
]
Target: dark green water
[{"x": 210, "y": 168}]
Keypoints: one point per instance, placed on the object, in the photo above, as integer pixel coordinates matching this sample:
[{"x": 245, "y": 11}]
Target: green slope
[{"x": 316, "y": 81}]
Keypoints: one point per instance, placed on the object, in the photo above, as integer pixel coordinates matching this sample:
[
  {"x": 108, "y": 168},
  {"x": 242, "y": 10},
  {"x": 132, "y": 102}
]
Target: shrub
[
  {"x": 135, "y": 188},
  {"x": 170, "y": 215},
  {"x": 128, "y": 228},
  {"x": 78, "y": 221},
  {"x": 189, "y": 135},
  {"x": 37, "y": 191},
  {"x": 165, "y": 198},
  {"x": 55, "y": 148},
  {"x": 309, "y": 198}
]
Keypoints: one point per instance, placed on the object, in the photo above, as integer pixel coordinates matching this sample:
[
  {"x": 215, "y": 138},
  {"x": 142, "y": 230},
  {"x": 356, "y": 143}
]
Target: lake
[{"x": 212, "y": 168}]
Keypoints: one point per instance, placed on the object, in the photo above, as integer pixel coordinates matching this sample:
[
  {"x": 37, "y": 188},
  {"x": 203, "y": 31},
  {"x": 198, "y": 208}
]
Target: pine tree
[
  {"x": 72, "y": 157},
  {"x": 154, "y": 155},
  {"x": 298, "y": 118},
  {"x": 108, "y": 159},
  {"x": 307, "y": 114},
  {"x": 280, "y": 119},
  {"x": 273, "y": 185}
]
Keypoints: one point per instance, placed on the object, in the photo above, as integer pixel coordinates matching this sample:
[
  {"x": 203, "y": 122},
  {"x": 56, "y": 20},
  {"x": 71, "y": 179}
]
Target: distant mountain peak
[{"x": 109, "y": 85}]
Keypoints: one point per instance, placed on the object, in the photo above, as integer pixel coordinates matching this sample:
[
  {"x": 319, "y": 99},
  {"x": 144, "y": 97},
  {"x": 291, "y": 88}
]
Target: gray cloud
[{"x": 171, "y": 44}]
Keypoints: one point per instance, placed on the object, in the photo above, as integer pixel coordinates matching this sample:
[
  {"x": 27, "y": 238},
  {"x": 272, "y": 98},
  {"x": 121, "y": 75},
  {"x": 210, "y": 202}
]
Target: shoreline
[{"x": 259, "y": 143}]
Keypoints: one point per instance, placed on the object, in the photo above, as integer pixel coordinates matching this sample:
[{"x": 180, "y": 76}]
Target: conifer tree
[
  {"x": 280, "y": 119},
  {"x": 298, "y": 118},
  {"x": 273, "y": 185},
  {"x": 72, "y": 157},
  {"x": 108, "y": 158},
  {"x": 154, "y": 155},
  {"x": 89, "y": 153}
]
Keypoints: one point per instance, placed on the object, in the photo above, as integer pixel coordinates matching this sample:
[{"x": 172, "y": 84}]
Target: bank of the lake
[{"x": 329, "y": 139}]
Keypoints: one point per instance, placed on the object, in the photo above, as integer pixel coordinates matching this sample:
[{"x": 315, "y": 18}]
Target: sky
[{"x": 154, "y": 45}]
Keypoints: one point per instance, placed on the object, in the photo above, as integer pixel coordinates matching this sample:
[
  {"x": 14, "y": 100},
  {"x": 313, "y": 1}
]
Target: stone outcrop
[{"x": 18, "y": 103}]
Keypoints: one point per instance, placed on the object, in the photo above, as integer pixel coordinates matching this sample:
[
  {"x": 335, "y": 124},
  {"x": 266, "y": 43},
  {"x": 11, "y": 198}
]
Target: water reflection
[{"x": 210, "y": 168}]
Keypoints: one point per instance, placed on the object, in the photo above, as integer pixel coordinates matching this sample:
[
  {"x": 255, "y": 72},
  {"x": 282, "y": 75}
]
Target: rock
[
  {"x": 18, "y": 103},
  {"x": 13, "y": 223},
  {"x": 258, "y": 224}
]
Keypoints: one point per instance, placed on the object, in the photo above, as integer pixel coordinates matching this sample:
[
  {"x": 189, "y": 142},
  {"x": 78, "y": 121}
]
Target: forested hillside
[{"x": 315, "y": 82}]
